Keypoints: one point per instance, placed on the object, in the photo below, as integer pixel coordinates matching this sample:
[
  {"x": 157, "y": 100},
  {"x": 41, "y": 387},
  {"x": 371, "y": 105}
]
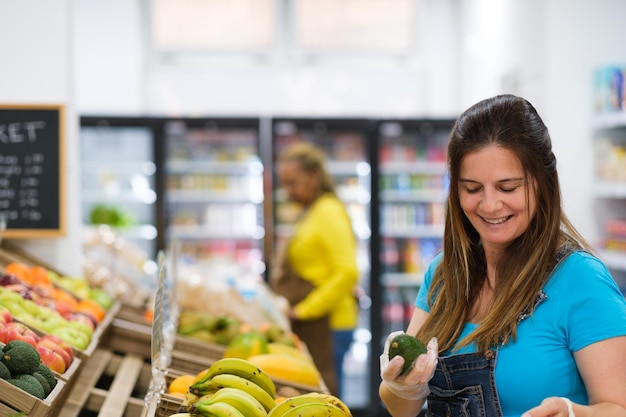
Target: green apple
[
  {"x": 8, "y": 295},
  {"x": 16, "y": 308},
  {"x": 82, "y": 327},
  {"x": 72, "y": 337}
]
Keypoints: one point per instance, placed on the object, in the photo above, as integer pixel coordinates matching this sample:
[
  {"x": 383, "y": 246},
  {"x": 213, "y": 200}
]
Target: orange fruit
[
  {"x": 91, "y": 307},
  {"x": 39, "y": 275},
  {"x": 181, "y": 384},
  {"x": 20, "y": 270}
]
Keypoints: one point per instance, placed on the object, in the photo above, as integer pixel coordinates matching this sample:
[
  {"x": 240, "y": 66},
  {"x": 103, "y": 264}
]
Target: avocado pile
[
  {"x": 20, "y": 365},
  {"x": 408, "y": 347}
]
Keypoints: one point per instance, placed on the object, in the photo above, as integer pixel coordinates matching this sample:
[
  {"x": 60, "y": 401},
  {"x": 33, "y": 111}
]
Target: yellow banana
[
  {"x": 280, "y": 409},
  {"x": 181, "y": 415},
  {"x": 189, "y": 399},
  {"x": 242, "y": 368},
  {"x": 315, "y": 410},
  {"x": 220, "y": 409},
  {"x": 241, "y": 400},
  {"x": 330, "y": 399},
  {"x": 234, "y": 381}
]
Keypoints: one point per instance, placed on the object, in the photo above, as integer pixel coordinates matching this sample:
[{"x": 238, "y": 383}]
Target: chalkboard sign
[{"x": 31, "y": 161}]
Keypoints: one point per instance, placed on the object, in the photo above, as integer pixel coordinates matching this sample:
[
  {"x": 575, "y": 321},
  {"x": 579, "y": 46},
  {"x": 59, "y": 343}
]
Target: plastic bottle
[
  {"x": 389, "y": 256},
  {"x": 393, "y": 310}
]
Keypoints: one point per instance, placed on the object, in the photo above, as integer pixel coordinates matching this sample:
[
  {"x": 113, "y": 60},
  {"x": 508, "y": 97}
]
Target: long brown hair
[{"x": 513, "y": 123}]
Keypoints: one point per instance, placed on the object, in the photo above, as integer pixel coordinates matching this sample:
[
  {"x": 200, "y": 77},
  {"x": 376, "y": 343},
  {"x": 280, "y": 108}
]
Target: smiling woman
[{"x": 501, "y": 304}]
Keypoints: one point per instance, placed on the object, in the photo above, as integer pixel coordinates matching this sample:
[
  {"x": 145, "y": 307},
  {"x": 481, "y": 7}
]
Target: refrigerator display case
[
  {"x": 213, "y": 191},
  {"x": 119, "y": 179},
  {"x": 412, "y": 189},
  {"x": 346, "y": 143}
]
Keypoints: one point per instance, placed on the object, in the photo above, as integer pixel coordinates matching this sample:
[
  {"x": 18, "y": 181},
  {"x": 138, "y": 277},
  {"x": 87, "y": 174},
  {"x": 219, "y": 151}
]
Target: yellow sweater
[{"x": 323, "y": 251}]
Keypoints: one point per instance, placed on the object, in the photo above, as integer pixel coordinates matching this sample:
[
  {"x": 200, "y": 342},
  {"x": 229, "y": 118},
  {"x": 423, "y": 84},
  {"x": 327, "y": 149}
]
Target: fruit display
[
  {"x": 207, "y": 327},
  {"x": 238, "y": 388},
  {"x": 55, "y": 353},
  {"x": 35, "y": 297},
  {"x": 21, "y": 366},
  {"x": 407, "y": 346},
  {"x": 230, "y": 383}
]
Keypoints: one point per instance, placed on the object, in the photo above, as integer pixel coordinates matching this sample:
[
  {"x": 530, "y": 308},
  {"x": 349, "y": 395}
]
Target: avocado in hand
[{"x": 408, "y": 347}]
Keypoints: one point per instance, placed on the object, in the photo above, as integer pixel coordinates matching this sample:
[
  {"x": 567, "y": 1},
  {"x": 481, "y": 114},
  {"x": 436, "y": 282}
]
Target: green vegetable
[
  {"x": 30, "y": 384},
  {"x": 44, "y": 371},
  {"x": 44, "y": 383},
  {"x": 408, "y": 347},
  {"x": 4, "y": 371},
  {"x": 20, "y": 357}
]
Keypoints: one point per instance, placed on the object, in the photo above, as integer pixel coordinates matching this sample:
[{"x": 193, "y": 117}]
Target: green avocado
[
  {"x": 408, "y": 347},
  {"x": 20, "y": 357},
  {"x": 44, "y": 371},
  {"x": 4, "y": 371},
  {"x": 44, "y": 383},
  {"x": 30, "y": 384}
]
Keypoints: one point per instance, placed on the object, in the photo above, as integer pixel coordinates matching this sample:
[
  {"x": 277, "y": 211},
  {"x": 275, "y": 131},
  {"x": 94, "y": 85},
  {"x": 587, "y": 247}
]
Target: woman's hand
[
  {"x": 552, "y": 407},
  {"x": 414, "y": 384}
]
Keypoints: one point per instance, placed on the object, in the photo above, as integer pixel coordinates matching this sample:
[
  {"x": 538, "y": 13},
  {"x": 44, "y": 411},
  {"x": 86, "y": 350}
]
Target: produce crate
[
  {"x": 189, "y": 363},
  {"x": 168, "y": 405},
  {"x": 128, "y": 337},
  {"x": 209, "y": 351},
  {"x": 134, "y": 313},
  {"x": 14, "y": 400},
  {"x": 115, "y": 385}
]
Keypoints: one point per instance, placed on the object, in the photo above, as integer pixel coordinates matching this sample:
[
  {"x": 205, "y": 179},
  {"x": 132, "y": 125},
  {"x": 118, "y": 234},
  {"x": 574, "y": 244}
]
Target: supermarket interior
[{"x": 156, "y": 189}]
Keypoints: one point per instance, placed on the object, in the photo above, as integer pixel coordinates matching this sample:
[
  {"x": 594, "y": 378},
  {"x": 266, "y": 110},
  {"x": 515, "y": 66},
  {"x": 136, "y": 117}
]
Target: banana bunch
[
  {"x": 312, "y": 404},
  {"x": 231, "y": 387}
]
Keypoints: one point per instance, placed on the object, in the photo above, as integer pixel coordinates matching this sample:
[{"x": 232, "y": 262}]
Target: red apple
[
  {"x": 55, "y": 343},
  {"x": 5, "y": 315},
  {"x": 51, "y": 358},
  {"x": 18, "y": 331}
]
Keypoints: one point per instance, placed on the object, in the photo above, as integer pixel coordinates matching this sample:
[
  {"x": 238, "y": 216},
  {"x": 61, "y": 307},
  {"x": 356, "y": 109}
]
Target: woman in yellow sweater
[{"x": 318, "y": 271}]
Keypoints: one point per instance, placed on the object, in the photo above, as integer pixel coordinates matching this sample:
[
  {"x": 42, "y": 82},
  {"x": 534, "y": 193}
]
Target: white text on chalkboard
[{"x": 20, "y": 132}]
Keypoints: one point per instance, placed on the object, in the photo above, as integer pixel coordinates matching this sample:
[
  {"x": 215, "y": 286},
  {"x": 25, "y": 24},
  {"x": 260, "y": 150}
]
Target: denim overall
[{"x": 464, "y": 385}]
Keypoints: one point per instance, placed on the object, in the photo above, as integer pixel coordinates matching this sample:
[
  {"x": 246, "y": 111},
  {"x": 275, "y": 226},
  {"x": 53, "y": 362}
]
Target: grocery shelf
[
  {"x": 213, "y": 196},
  {"x": 400, "y": 279},
  {"x": 425, "y": 231},
  {"x": 614, "y": 120},
  {"x": 206, "y": 232},
  {"x": 421, "y": 195},
  {"x": 610, "y": 189},
  {"x": 252, "y": 166},
  {"x": 413, "y": 167}
]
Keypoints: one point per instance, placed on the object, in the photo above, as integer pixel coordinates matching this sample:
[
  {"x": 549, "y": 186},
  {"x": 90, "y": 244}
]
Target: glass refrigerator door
[
  {"x": 412, "y": 191},
  {"x": 118, "y": 181},
  {"x": 214, "y": 191},
  {"x": 346, "y": 143}
]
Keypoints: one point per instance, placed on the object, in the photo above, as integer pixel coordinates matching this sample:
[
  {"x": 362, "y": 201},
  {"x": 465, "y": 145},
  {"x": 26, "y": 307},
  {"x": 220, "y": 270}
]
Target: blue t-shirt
[{"x": 584, "y": 305}]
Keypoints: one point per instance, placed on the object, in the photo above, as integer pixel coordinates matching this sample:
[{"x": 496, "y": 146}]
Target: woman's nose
[{"x": 490, "y": 201}]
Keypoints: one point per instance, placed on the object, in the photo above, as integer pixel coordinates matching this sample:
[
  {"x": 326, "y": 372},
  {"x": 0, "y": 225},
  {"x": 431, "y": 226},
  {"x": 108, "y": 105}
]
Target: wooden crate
[
  {"x": 209, "y": 351},
  {"x": 128, "y": 337},
  {"x": 14, "y": 400},
  {"x": 112, "y": 385}
]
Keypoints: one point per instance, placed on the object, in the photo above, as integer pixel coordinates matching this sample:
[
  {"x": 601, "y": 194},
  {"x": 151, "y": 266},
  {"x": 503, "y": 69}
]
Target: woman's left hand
[{"x": 552, "y": 407}]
